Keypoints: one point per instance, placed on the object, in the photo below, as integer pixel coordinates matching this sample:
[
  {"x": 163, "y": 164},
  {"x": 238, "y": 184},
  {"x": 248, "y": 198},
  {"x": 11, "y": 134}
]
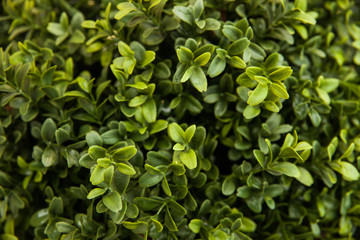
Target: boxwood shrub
[{"x": 179, "y": 119}]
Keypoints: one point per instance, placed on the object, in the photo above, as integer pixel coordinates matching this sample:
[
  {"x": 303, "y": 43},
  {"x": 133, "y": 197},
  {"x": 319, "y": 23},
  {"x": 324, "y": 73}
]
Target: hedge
[{"x": 180, "y": 119}]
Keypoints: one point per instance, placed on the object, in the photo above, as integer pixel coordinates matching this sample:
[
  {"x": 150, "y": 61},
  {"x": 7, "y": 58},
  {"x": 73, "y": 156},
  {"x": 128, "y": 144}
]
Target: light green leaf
[
  {"x": 176, "y": 133},
  {"x": 125, "y": 169},
  {"x": 96, "y": 192},
  {"x": 217, "y": 66},
  {"x": 251, "y": 111},
  {"x": 281, "y": 74},
  {"x": 97, "y": 175},
  {"x": 138, "y": 101},
  {"x": 148, "y": 57},
  {"x": 258, "y": 95},
  {"x": 237, "y": 62},
  {"x": 149, "y": 180},
  {"x": 49, "y": 157},
  {"x": 158, "y": 126},
  {"x": 348, "y": 171},
  {"x": 113, "y": 201},
  {"x": 124, "y": 154},
  {"x": 286, "y": 168},
  {"x": 88, "y": 24},
  {"x": 305, "y": 177},
  {"x": 202, "y": 59},
  {"x": 198, "y": 79},
  {"x": 185, "y": 55},
  {"x": 187, "y": 74},
  {"x": 179, "y": 147},
  {"x": 238, "y": 46},
  {"x": 125, "y": 50},
  {"x": 125, "y": 8},
  {"x": 260, "y": 157},
  {"x": 48, "y": 130},
  {"x": 189, "y": 133},
  {"x": 279, "y": 90},
  {"x": 184, "y": 14},
  {"x": 96, "y": 152},
  {"x": 195, "y": 225},
  {"x": 188, "y": 158},
  {"x": 149, "y": 110}
]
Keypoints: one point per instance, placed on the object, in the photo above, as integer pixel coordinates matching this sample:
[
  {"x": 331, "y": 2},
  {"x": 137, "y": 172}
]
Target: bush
[{"x": 199, "y": 119}]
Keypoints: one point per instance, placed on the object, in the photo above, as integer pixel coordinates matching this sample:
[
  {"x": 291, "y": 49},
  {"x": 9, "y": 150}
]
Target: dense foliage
[{"x": 179, "y": 119}]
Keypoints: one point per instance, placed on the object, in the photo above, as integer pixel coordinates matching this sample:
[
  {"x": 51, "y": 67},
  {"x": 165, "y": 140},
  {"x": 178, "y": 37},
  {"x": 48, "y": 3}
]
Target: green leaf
[
  {"x": 198, "y": 138},
  {"x": 203, "y": 59},
  {"x": 64, "y": 227},
  {"x": 184, "y": 14},
  {"x": 195, "y": 225},
  {"x": 176, "y": 133},
  {"x": 243, "y": 192},
  {"x": 281, "y": 74},
  {"x": 56, "y": 29},
  {"x": 289, "y": 152},
  {"x": 305, "y": 177},
  {"x": 21, "y": 74},
  {"x": 314, "y": 117},
  {"x": 165, "y": 187},
  {"x": 189, "y": 133},
  {"x": 125, "y": 169},
  {"x": 169, "y": 222},
  {"x": 149, "y": 57},
  {"x": 279, "y": 90},
  {"x": 302, "y": 17},
  {"x": 149, "y": 110},
  {"x": 217, "y": 66},
  {"x": 96, "y": 152},
  {"x": 178, "y": 169},
  {"x": 188, "y": 158},
  {"x": 147, "y": 204},
  {"x": 260, "y": 157},
  {"x": 251, "y": 112},
  {"x": 238, "y": 46},
  {"x": 187, "y": 74},
  {"x": 138, "y": 101},
  {"x": 232, "y": 33},
  {"x": 348, "y": 171},
  {"x": 247, "y": 225},
  {"x": 198, "y": 8},
  {"x": 111, "y": 137},
  {"x": 125, "y": 8},
  {"x": 96, "y": 192},
  {"x": 124, "y": 154},
  {"x": 185, "y": 55},
  {"x": 125, "y": 50},
  {"x": 179, "y": 147},
  {"x": 97, "y": 175},
  {"x": 258, "y": 95},
  {"x": 286, "y": 168},
  {"x": 113, "y": 201},
  {"x": 149, "y": 180},
  {"x": 56, "y": 206},
  {"x": 93, "y": 138},
  {"x": 48, "y": 130},
  {"x": 228, "y": 186},
  {"x": 158, "y": 126},
  {"x": 272, "y": 60},
  {"x": 49, "y": 157},
  {"x": 237, "y": 62},
  {"x": 198, "y": 79},
  {"x": 329, "y": 84},
  {"x": 88, "y": 24},
  {"x": 251, "y": 72}
]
